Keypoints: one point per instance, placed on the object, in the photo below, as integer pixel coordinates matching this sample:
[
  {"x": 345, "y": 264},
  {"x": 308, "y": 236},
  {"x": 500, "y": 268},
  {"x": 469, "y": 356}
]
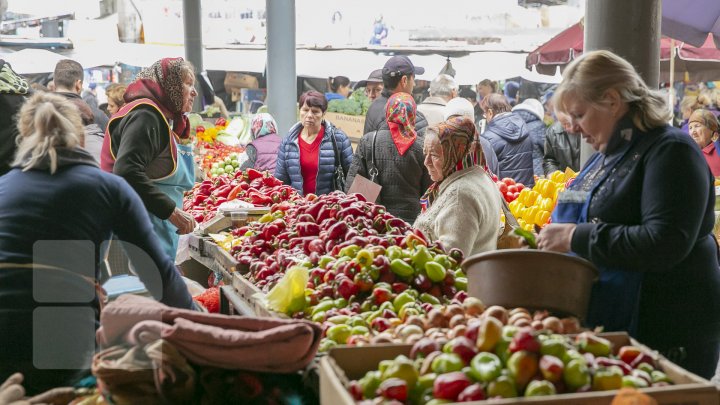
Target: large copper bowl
[{"x": 531, "y": 279}]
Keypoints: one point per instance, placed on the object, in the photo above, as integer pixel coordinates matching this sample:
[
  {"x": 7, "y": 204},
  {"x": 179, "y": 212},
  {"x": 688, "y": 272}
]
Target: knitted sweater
[{"x": 465, "y": 214}]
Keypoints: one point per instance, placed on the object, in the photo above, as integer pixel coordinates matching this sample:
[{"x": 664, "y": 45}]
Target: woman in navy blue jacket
[
  {"x": 57, "y": 210},
  {"x": 308, "y": 154},
  {"x": 641, "y": 210},
  {"x": 510, "y": 138}
]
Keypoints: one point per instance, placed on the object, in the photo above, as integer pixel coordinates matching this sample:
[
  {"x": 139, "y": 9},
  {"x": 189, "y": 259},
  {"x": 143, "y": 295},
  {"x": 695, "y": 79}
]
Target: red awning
[{"x": 701, "y": 64}]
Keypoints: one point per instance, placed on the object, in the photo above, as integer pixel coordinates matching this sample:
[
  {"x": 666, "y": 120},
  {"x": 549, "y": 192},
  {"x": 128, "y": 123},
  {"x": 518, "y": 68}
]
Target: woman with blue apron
[
  {"x": 615, "y": 296},
  {"x": 641, "y": 211},
  {"x": 146, "y": 143}
]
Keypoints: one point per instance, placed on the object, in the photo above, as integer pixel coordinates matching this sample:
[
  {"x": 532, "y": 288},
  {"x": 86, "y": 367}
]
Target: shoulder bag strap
[
  {"x": 373, "y": 171},
  {"x": 335, "y": 149}
]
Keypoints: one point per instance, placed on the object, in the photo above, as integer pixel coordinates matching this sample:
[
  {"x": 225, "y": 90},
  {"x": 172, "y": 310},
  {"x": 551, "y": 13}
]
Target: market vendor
[
  {"x": 313, "y": 149},
  {"x": 641, "y": 210},
  {"x": 57, "y": 208},
  {"x": 462, "y": 207},
  {"x": 148, "y": 145}
]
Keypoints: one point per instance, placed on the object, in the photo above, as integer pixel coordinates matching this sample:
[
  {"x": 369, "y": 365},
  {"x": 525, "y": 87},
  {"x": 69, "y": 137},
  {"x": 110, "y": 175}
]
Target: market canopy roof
[
  {"x": 701, "y": 64},
  {"x": 471, "y": 67},
  {"x": 692, "y": 21}
]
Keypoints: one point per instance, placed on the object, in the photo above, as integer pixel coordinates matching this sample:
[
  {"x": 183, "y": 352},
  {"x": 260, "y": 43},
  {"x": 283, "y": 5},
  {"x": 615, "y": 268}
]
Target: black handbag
[{"x": 339, "y": 173}]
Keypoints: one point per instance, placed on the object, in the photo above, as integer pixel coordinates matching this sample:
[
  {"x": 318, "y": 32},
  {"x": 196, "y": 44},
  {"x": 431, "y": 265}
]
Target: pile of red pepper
[
  {"x": 258, "y": 188},
  {"x": 313, "y": 227}
]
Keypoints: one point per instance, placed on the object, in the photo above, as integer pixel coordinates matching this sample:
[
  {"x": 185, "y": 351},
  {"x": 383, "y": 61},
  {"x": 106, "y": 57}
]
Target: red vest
[{"x": 107, "y": 157}]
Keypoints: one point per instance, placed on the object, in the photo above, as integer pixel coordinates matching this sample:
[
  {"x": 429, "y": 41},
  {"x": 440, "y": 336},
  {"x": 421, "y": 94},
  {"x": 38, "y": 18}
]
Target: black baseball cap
[
  {"x": 375, "y": 77},
  {"x": 400, "y": 66}
]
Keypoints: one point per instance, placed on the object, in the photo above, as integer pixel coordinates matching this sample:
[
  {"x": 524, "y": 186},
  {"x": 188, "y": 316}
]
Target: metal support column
[
  {"x": 281, "y": 73},
  {"x": 192, "y": 23},
  {"x": 630, "y": 29}
]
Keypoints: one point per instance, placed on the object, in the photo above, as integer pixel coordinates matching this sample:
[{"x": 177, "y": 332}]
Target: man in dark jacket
[
  {"x": 398, "y": 75},
  {"x": 13, "y": 90},
  {"x": 562, "y": 147},
  {"x": 532, "y": 112},
  {"x": 68, "y": 80},
  {"x": 509, "y": 136}
]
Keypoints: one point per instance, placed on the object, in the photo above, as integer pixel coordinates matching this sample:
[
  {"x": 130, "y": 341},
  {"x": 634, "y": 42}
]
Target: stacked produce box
[{"x": 370, "y": 279}]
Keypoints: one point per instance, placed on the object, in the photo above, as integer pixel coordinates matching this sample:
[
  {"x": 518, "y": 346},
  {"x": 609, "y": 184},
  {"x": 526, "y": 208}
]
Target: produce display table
[
  {"x": 238, "y": 295},
  {"x": 372, "y": 279}
]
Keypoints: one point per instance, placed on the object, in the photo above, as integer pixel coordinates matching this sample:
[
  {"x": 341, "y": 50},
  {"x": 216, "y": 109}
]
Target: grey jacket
[
  {"x": 561, "y": 150},
  {"x": 404, "y": 179}
]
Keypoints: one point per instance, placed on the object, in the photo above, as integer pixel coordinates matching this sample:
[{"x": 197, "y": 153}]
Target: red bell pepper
[
  {"x": 253, "y": 174},
  {"x": 307, "y": 228}
]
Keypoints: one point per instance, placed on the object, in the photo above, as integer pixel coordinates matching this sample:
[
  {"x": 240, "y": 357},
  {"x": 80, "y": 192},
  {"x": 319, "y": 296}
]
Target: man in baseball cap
[
  {"x": 398, "y": 75},
  {"x": 373, "y": 85}
]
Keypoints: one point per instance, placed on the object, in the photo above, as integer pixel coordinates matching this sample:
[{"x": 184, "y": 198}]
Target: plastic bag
[{"x": 288, "y": 295}]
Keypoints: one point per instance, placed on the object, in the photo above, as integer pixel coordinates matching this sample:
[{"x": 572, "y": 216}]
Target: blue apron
[
  {"x": 615, "y": 296},
  {"x": 174, "y": 186}
]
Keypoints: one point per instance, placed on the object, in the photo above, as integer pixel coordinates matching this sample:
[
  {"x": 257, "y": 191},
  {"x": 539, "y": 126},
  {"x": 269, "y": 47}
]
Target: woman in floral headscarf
[
  {"x": 262, "y": 151},
  {"x": 462, "y": 207},
  {"x": 398, "y": 159},
  {"x": 147, "y": 143}
]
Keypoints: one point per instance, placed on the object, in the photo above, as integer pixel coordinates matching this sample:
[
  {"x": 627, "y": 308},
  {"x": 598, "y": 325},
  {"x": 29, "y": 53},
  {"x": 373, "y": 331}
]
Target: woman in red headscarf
[
  {"x": 398, "y": 159},
  {"x": 146, "y": 142},
  {"x": 462, "y": 207}
]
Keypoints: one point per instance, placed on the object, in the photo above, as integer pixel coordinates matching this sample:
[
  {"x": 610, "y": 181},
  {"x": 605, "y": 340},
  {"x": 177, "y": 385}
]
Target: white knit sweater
[{"x": 465, "y": 214}]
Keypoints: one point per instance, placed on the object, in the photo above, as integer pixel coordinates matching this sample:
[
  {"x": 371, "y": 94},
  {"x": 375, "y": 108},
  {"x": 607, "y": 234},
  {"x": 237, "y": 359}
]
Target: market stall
[{"x": 369, "y": 280}]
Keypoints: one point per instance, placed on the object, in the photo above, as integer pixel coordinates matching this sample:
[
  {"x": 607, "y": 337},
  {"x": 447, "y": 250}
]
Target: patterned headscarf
[
  {"x": 400, "y": 117},
  {"x": 163, "y": 84},
  {"x": 262, "y": 124},
  {"x": 458, "y": 141}
]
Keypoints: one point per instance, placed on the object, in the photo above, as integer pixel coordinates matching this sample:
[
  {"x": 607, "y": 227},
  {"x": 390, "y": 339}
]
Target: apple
[
  {"x": 450, "y": 385},
  {"x": 463, "y": 347},
  {"x": 471, "y": 393},
  {"x": 424, "y": 347}
]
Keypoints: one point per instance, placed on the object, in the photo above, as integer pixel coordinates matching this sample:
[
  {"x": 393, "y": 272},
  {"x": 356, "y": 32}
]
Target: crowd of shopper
[{"x": 125, "y": 176}]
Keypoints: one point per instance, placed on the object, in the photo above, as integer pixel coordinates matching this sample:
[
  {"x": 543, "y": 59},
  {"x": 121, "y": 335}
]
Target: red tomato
[
  {"x": 512, "y": 189},
  {"x": 519, "y": 186},
  {"x": 503, "y": 187},
  {"x": 515, "y": 195},
  {"x": 494, "y": 177},
  {"x": 508, "y": 196},
  {"x": 508, "y": 181}
]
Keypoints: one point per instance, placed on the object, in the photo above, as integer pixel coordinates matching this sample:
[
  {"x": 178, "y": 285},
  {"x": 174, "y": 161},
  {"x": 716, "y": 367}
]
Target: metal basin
[{"x": 531, "y": 279}]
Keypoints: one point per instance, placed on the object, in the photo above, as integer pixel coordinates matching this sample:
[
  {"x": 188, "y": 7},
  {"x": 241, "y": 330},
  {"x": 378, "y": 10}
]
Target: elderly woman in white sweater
[{"x": 462, "y": 207}]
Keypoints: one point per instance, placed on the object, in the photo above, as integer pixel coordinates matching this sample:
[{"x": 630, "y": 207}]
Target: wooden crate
[{"x": 349, "y": 363}]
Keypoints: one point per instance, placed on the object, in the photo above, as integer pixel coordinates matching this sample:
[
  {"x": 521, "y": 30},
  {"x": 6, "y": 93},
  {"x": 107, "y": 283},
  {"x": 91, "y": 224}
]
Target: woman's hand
[
  {"x": 556, "y": 237},
  {"x": 184, "y": 222},
  {"x": 12, "y": 391}
]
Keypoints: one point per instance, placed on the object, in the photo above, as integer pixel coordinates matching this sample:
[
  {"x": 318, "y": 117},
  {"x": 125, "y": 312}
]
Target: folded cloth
[
  {"x": 155, "y": 373},
  {"x": 230, "y": 342}
]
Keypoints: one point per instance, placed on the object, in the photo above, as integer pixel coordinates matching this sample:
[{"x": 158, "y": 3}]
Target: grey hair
[{"x": 443, "y": 86}]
